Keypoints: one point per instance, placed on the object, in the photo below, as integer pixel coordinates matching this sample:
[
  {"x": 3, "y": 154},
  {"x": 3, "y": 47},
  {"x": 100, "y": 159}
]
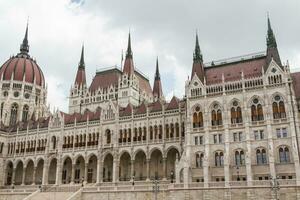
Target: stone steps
[{"x": 52, "y": 196}]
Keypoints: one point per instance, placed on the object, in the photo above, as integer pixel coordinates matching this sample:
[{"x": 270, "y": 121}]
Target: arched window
[
  {"x": 108, "y": 136},
  {"x": 25, "y": 113},
  {"x": 257, "y": 113},
  {"x": 216, "y": 115},
  {"x": 151, "y": 133},
  {"x": 239, "y": 158},
  {"x": 284, "y": 156},
  {"x": 199, "y": 160},
  {"x": 13, "y": 114},
  {"x": 261, "y": 156},
  {"x": 219, "y": 159},
  {"x": 236, "y": 113},
  {"x": 1, "y": 109},
  {"x": 278, "y": 107},
  {"x": 195, "y": 120},
  {"x": 53, "y": 140}
]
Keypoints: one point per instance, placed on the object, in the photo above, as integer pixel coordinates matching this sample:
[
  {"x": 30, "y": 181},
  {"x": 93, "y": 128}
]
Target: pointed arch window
[
  {"x": 236, "y": 113},
  {"x": 219, "y": 159},
  {"x": 261, "y": 156},
  {"x": 25, "y": 113},
  {"x": 108, "y": 136},
  {"x": 284, "y": 155},
  {"x": 216, "y": 115},
  {"x": 1, "y": 109},
  {"x": 197, "y": 118},
  {"x": 278, "y": 108},
  {"x": 257, "y": 113},
  {"x": 239, "y": 158},
  {"x": 14, "y": 114},
  {"x": 199, "y": 160}
]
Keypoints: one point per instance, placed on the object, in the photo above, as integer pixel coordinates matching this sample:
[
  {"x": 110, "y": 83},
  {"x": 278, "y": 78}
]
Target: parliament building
[{"x": 233, "y": 135}]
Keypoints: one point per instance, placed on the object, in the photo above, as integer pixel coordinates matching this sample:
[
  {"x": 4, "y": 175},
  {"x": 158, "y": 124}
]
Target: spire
[
  {"x": 128, "y": 64},
  {"x": 272, "y": 51},
  {"x": 197, "y": 52},
  {"x": 198, "y": 67},
  {"x": 129, "y": 51},
  {"x": 271, "y": 41},
  {"x": 80, "y": 76},
  {"x": 24, "y": 48},
  {"x": 157, "y": 75},
  {"x": 81, "y": 62},
  {"x": 157, "y": 87}
]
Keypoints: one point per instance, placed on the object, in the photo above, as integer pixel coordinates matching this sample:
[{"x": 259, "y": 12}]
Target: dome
[{"x": 22, "y": 66}]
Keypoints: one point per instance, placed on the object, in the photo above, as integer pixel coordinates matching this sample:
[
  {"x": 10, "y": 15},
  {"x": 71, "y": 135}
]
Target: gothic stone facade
[{"x": 237, "y": 125}]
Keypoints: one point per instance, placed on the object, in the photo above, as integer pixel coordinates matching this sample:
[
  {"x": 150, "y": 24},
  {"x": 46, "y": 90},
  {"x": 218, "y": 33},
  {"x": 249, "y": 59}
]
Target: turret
[
  {"x": 80, "y": 76},
  {"x": 157, "y": 87},
  {"x": 198, "y": 67},
  {"x": 128, "y": 64}
]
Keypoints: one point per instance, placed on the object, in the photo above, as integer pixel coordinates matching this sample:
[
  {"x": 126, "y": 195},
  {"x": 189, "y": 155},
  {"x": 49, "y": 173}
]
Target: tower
[{"x": 157, "y": 87}]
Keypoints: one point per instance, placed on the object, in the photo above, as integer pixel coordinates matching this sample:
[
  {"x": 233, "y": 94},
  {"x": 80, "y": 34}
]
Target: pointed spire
[
  {"x": 271, "y": 40},
  {"x": 197, "y": 52},
  {"x": 129, "y": 51},
  {"x": 272, "y": 51},
  {"x": 24, "y": 48},
  {"x": 198, "y": 67},
  {"x": 157, "y": 87},
  {"x": 157, "y": 75},
  {"x": 81, "y": 62}
]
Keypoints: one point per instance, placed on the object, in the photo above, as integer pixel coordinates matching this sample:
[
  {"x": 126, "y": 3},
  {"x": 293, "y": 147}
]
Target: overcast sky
[{"x": 163, "y": 28}]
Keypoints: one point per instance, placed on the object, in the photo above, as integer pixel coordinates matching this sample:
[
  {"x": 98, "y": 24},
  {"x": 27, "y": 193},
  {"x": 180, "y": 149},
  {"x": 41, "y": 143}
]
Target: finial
[
  {"x": 197, "y": 52},
  {"x": 129, "y": 51},
  {"x": 81, "y": 62},
  {"x": 271, "y": 41},
  {"x": 24, "y": 48},
  {"x": 157, "y": 75}
]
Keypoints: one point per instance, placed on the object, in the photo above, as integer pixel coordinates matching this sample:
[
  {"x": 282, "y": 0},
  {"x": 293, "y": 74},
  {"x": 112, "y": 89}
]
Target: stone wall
[{"x": 289, "y": 193}]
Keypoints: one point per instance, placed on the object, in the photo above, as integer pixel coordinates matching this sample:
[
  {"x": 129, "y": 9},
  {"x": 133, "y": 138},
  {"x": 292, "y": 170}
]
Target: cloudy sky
[{"x": 57, "y": 29}]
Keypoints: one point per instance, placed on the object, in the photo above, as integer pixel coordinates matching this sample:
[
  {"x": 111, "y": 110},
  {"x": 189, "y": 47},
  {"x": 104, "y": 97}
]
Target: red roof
[
  {"x": 80, "y": 77},
  {"x": 233, "y": 71},
  {"x": 296, "y": 83},
  {"x": 156, "y": 106},
  {"x": 141, "y": 109},
  {"x": 174, "y": 103},
  {"x": 105, "y": 79},
  {"x": 126, "y": 111},
  {"x": 20, "y": 66},
  {"x": 143, "y": 83}
]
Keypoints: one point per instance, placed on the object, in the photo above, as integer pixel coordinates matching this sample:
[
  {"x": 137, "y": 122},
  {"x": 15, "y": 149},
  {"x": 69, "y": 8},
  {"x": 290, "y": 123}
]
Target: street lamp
[
  {"x": 155, "y": 188},
  {"x": 275, "y": 187},
  {"x": 172, "y": 176},
  {"x": 133, "y": 180},
  {"x": 238, "y": 173}
]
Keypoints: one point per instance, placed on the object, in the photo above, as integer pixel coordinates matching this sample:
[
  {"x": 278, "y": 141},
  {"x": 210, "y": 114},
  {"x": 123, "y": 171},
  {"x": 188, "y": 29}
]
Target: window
[
  {"x": 216, "y": 116},
  {"x": 219, "y": 159},
  {"x": 236, "y": 113},
  {"x": 281, "y": 132},
  {"x": 284, "y": 156},
  {"x": 218, "y": 138},
  {"x": 25, "y": 113},
  {"x": 257, "y": 113},
  {"x": 197, "y": 118},
  {"x": 13, "y": 114},
  {"x": 261, "y": 157},
  {"x": 108, "y": 136},
  {"x": 239, "y": 158},
  {"x": 259, "y": 135},
  {"x": 201, "y": 140},
  {"x": 215, "y": 139},
  {"x": 196, "y": 140},
  {"x": 199, "y": 160},
  {"x": 278, "y": 108},
  {"x": 238, "y": 137}
]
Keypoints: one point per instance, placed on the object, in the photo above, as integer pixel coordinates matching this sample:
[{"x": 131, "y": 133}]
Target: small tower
[
  {"x": 128, "y": 64},
  {"x": 79, "y": 88},
  {"x": 272, "y": 51},
  {"x": 198, "y": 67},
  {"x": 24, "y": 47},
  {"x": 157, "y": 87}
]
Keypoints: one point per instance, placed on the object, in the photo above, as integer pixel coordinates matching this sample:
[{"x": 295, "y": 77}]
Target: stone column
[
  {"x": 23, "y": 175},
  {"x": 72, "y": 173},
  {"x": 33, "y": 178},
  {"x": 148, "y": 169},
  {"x": 13, "y": 176},
  {"x": 116, "y": 170},
  {"x": 58, "y": 173},
  {"x": 132, "y": 169},
  {"x": 164, "y": 160},
  {"x": 98, "y": 171},
  {"x": 206, "y": 164},
  {"x": 45, "y": 173},
  {"x": 85, "y": 172}
]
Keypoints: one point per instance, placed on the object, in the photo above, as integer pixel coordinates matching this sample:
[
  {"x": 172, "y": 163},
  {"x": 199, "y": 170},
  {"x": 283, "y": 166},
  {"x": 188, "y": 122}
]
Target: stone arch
[
  {"x": 171, "y": 156},
  {"x": 39, "y": 171},
  {"x": 67, "y": 165},
  {"x": 140, "y": 165},
  {"x": 77, "y": 156},
  {"x": 79, "y": 168},
  {"x": 156, "y": 164},
  {"x": 108, "y": 162},
  {"x": 137, "y": 151},
  {"x": 52, "y": 170},
  {"x": 125, "y": 167},
  {"x": 106, "y": 153},
  {"x": 19, "y": 172},
  {"x": 9, "y": 172},
  {"x": 153, "y": 149},
  {"x": 261, "y": 100},
  {"x": 29, "y": 172},
  {"x": 92, "y": 168}
]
